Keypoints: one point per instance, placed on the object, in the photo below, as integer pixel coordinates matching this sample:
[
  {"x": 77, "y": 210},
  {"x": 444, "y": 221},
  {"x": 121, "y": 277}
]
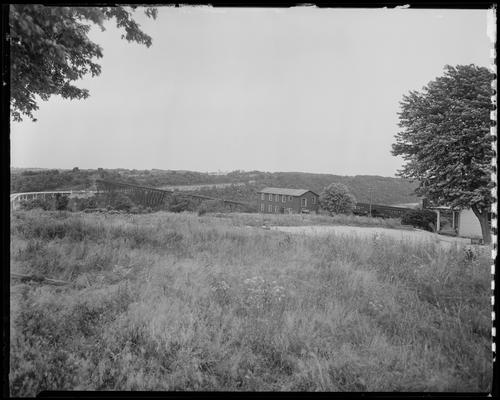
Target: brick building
[{"x": 282, "y": 200}]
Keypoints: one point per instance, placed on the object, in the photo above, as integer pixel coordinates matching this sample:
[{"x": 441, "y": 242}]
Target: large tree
[
  {"x": 50, "y": 49},
  {"x": 446, "y": 143},
  {"x": 336, "y": 199}
]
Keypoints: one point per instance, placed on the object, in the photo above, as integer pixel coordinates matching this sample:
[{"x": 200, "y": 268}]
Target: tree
[
  {"x": 445, "y": 140},
  {"x": 424, "y": 219},
  {"x": 120, "y": 201},
  {"x": 336, "y": 199},
  {"x": 49, "y": 49},
  {"x": 61, "y": 202}
]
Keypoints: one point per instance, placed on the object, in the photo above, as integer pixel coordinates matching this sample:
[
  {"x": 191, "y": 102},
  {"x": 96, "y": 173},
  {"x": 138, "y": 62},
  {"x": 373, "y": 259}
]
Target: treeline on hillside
[
  {"x": 366, "y": 188},
  {"x": 52, "y": 179},
  {"x": 245, "y": 193},
  {"x": 382, "y": 190},
  {"x": 377, "y": 189},
  {"x": 38, "y": 180}
]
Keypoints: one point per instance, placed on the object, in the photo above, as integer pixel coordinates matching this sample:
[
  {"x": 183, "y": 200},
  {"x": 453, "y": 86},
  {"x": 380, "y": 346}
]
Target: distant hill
[
  {"x": 382, "y": 190},
  {"x": 378, "y": 189}
]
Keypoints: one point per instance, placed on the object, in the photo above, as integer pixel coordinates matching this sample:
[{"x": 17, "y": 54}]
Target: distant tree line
[{"x": 381, "y": 190}]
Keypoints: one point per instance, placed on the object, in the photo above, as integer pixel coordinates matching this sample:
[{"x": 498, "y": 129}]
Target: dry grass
[{"x": 181, "y": 302}]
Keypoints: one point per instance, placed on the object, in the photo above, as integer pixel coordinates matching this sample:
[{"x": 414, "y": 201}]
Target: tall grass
[{"x": 180, "y": 302}]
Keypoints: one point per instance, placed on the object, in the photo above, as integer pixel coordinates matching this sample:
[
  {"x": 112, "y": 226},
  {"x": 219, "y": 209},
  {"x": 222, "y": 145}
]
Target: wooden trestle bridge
[{"x": 153, "y": 197}]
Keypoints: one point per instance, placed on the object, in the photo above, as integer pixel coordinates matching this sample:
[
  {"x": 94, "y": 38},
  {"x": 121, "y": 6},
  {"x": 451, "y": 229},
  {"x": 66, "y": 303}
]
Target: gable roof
[{"x": 285, "y": 191}]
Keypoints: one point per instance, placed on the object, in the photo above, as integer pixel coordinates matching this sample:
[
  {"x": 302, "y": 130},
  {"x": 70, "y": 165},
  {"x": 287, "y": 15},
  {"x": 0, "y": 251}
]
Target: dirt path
[{"x": 368, "y": 232}]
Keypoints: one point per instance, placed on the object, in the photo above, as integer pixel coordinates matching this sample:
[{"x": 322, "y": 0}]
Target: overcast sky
[{"x": 300, "y": 89}]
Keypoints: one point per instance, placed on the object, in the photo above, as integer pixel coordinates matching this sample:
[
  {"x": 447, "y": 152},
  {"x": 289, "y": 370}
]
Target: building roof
[{"x": 285, "y": 191}]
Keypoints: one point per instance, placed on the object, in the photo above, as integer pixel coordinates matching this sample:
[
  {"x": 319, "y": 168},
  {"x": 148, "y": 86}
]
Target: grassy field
[{"x": 180, "y": 302}]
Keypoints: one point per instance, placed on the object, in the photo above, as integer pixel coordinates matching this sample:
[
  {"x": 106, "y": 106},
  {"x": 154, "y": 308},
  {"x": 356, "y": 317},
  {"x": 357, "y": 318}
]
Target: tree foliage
[
  {"x": 44, "y": 204},
  {"x": 445, "y": 139},
  {"x": 424, "y": 219},
  {"x": 50, "y": 49},
  {"x": 336, "y": 199},
  {"x": 385, "y": 190},
  {"x": 61, "y": 202},
  {"x": 120, "y": 201}
]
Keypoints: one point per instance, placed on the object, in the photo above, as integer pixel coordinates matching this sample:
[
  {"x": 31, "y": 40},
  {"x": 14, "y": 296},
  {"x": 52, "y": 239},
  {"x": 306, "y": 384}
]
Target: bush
[
  {"x": 120, "y": 201},
  {"x": 179, "y": 204},
  {"x": 36, "y": 203},
  {"x": 85, "y": 203},
  {"x": 139, "y": 209},
  {"x": 61, "y": 202},
  {"x": 211, "y": 206},
  {"x": 424, "y": 219},
  {"x": 377, "y": 214}
]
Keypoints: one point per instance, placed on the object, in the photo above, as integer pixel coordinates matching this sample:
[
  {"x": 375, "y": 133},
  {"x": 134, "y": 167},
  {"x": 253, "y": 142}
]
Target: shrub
[
  {"x": 120, "y": 201},
  {"x": 136, "y": 210},
  {"x": 50, "y": 227},
  {"x": 179, "y": 204},
  {"x": 377, "y": 214},
  {"x": 211, "y": 206},
  {"x": 85, "y": 203},
  {"x": 36, "y": 203},
  {"x": 420, "y": 219},
  {"x": 61, "y": 202}
]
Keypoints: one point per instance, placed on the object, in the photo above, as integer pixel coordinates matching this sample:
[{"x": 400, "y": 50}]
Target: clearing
[{"x": 370, "y": 232}]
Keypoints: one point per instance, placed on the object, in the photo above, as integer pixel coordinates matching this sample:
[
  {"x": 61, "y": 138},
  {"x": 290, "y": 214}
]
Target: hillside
[
  {"x": 382, "y": 190},
  {"x": 385, "y": 190}
]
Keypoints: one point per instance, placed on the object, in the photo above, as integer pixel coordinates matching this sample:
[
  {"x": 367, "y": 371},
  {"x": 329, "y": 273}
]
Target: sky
[{"x": 300, "y": 89}]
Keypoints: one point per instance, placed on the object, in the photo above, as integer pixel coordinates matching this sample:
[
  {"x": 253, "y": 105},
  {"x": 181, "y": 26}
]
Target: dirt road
[{"x": 368, "y": 232}]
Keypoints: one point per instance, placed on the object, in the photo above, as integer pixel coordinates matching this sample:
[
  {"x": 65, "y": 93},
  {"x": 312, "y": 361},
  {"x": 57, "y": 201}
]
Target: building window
[
  {"x": 270, "y": 197},
  {"x": 276, "y": 209},
  {"x": 262, "y": 207},
  {"x": 304, "y": 202},
  {"x": 270, "y": 208},
  {"x": 262, "y": 196},
  {"x": 314, "y": 200},
  {"x": 283, "y": 199},
  {"x": 290, "y": 198},
  {"x": 276, "y": 197}
]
